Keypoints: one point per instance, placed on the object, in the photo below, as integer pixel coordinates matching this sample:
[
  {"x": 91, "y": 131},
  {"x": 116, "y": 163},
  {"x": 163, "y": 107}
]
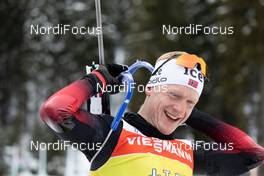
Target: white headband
[{"x": 171, "y": 73}]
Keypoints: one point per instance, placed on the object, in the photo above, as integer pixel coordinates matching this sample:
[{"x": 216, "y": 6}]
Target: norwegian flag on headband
[{"x": 193, "y": 83}]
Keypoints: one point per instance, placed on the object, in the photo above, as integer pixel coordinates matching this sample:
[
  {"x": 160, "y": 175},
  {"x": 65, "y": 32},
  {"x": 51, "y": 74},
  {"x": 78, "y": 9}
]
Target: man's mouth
[{"x": 171, "y": 116}]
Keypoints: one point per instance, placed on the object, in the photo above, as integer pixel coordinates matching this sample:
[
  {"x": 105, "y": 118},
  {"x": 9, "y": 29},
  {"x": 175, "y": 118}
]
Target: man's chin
[
  {"x": 167, "y": 127},
  {"x": 167, "y": 131}
]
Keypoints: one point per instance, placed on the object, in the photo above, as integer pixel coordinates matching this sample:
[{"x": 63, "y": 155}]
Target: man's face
[{"x": 170, "y": 107}]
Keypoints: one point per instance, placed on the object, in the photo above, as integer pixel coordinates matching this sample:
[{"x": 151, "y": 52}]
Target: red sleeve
[
  {"x": 245, "y": 155},
  {"x": 65, "y": 103},
  {"x": 62, "y": 113}
]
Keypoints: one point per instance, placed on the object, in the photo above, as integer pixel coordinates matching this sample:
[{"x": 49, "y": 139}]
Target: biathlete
[{"x": 145, "y": 142}]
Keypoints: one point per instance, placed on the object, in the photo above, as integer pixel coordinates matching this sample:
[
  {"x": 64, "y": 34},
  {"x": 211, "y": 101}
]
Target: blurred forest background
[{"x": 32, "y": 67}]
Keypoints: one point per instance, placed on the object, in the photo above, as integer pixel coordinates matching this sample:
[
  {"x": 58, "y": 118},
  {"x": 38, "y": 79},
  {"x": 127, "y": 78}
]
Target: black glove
[
  {"x": 116, "y": 69},
  {"x": 108, "y": 75}
]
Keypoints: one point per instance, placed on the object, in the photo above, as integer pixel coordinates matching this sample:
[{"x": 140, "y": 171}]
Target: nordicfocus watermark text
[
  {"x": 212, "y": 146},
  {"x": 61, "y": 145},
  {"x": 194, "y": 29},
  {"x": 128, "y": 88},
  {"x": 63, "y": 29},
  {"x": 175, "y": 147},
  {"x": 158, "y": 145}
]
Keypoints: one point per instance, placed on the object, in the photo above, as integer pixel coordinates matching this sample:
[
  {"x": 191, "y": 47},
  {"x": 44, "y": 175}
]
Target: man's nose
[{"x": 180, "y": 109}]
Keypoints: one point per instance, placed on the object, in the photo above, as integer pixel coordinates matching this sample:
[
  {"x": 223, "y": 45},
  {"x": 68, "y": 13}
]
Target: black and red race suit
[{"x": 138, "y": 148}]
